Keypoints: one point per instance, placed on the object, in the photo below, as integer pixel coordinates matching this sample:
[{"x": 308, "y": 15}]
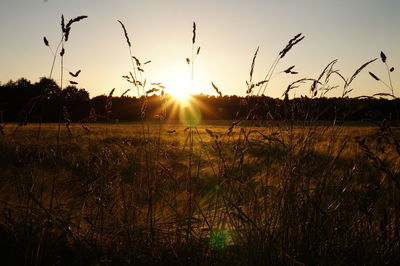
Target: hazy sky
[{"x": 228, "y": 31}]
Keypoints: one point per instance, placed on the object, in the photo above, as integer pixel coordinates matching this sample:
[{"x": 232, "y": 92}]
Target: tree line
[{"x": 44, "y": 101}]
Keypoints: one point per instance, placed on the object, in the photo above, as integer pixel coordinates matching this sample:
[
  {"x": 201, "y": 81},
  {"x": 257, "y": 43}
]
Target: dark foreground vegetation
[{"x": 113, "y": 195}]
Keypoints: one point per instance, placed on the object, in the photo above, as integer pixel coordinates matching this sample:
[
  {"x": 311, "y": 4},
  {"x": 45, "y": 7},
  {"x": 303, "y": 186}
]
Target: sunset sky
[{"x": 228, "y": 31}]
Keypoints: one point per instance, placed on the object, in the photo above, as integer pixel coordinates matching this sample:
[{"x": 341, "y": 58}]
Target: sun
[
  {"x": 180, "y": 90},
  {"x": 182, "y": 103},
  {"x": 181, "y": 95}
]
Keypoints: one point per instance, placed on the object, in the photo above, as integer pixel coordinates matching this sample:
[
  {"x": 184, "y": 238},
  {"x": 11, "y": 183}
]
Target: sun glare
[
  {"x": 179, "y": 90},
  {"x": 182, "y": 104},
  {"x": 180, "y": 95}
]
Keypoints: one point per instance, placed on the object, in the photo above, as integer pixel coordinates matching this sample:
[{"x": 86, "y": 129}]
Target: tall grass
[{"x": 254, "y": 193}]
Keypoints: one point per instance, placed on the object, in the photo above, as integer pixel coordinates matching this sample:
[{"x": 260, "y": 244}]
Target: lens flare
[
  {"x": 220, "y": 238},
  {"x": 189, "y": 112}
]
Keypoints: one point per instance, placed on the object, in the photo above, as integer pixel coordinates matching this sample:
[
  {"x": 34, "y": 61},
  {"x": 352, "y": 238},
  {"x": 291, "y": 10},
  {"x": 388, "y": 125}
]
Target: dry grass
[
  {"x": 244, "y": 192},
  {"x": 255, "y": 199}
]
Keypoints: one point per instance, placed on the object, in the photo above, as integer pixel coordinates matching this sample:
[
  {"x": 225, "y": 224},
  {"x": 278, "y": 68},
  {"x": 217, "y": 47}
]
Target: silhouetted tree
[{"x": 42, "y": 101}]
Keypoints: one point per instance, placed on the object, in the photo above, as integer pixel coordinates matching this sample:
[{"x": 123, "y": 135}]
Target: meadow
[
  {"x": 253, "y": 191},
  {"x": 162, "y": 193}
]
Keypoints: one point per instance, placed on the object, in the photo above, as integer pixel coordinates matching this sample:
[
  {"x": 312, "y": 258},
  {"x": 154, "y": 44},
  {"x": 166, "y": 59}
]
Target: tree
[
  {"x": 48, "y": 87},
  {"x": 72, "y": 93}
]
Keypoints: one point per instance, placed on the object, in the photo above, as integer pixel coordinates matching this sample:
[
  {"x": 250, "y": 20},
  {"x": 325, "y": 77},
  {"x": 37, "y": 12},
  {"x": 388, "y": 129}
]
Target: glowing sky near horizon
[{"x": 228, "y": 31}]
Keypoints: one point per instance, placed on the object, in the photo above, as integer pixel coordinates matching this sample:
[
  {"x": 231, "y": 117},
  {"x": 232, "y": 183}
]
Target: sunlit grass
[{"x": 242, "y": 192}]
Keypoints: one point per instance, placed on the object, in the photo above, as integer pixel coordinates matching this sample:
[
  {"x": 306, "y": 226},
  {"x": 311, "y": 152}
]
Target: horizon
[
  {"x": 228, "y": 33},
  {"x": 194, "y": 95}
]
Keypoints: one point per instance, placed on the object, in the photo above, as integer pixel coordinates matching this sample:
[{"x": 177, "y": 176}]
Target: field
[
  {"x": 216, "y": 194},
  {"x": 279, "y": 185},
  {"x": 142, "y": 142}
]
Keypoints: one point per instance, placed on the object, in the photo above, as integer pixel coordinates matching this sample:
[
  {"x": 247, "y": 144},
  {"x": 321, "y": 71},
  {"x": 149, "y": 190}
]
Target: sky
[{"x": 228, "y": 32}]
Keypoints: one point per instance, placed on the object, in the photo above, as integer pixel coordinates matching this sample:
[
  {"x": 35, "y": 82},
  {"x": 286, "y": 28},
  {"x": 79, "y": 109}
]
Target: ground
[{"x": 218, "y": 193}]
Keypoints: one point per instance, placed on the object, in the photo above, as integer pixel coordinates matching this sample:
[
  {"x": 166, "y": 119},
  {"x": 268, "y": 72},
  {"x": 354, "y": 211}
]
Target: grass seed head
[
  {"x": 359, "y": 70},
  {"x": 67, "y": 31},
  {"x": 216, "y": 89},
  {"x": 374, "y": 76},
  {"x": 194, "y": 32},
  {"x": 253, "y": 63},
  {"x": 109, "y": 102},
  {"x": 125, "y": 92},
  {"x": 79, "y": 18},
  {"x": 46, "y": 42},
  {"x": 136, "y": 60},
  {"x": 289, "y": 70},
  {"x": 295, "y": 40},
  {"x": 383, "y": 57},
  {"x": 126, "y": 33},
  {"x": 76, "y": 74},
  {"x": 62, "y": 24}
]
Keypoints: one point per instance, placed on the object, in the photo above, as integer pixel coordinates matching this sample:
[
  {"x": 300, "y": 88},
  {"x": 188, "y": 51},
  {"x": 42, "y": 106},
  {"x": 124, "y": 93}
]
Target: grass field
[
  {"x": 246, "y": 192},
  {"x": 118, "y": 194}
]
